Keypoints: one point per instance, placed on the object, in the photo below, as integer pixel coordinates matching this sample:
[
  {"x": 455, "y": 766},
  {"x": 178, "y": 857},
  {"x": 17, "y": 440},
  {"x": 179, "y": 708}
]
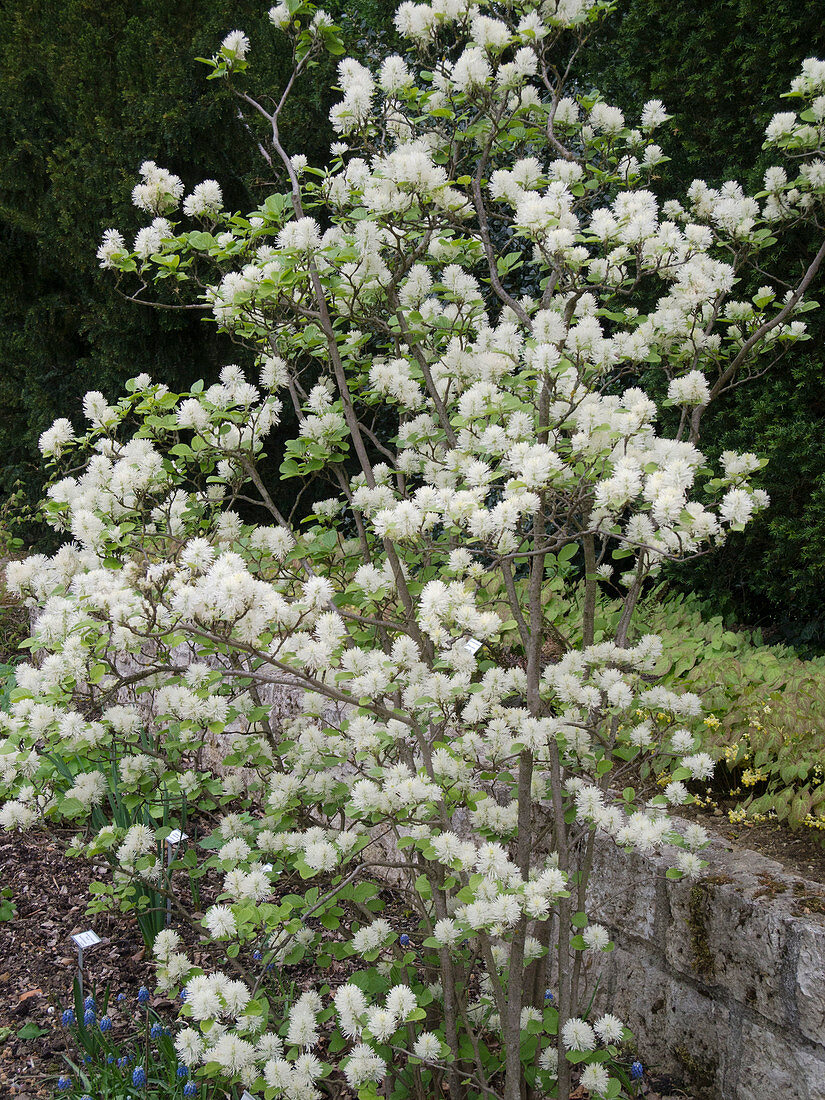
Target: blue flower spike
[
  {"x": 404, "y": 939},
  {"x": 64, "y": 1084},
  {"x": 190, "y": 1089},
  {"x": 121, "y": 997},
  {"x": 143, "y": 995},
  {"x": 182, "y": 1071},
  {"x": 139, "y": 1077},
  {"x": 637, "y": 1071},
  {"x": 105, "y": 1023},
  {"x": 85, "y": 1096},
  {"x": 183, "y": 994},
  {"x": 155, "y": 1031},
  {"x": 548, "y": 996},
  {"x": 91, "y": 1003},
  {"x": 256, "y": 956},
  {"x": 89, "y": 1017},
  {"x": 67, "y": 1019}
]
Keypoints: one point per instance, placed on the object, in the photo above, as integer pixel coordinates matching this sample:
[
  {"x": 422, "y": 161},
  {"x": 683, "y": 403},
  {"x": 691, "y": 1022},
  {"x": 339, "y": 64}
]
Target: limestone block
[
  {"x": 678, "y": 1029},
  {"x": 724, "y": 937},
  {"x": 810, "y": 981},
  {"x": 634, "y": 988},
  {"x": 773, "y": 1066},
  {"x": 622, "y": 891},
  {"x": 696, "y": 1030}
]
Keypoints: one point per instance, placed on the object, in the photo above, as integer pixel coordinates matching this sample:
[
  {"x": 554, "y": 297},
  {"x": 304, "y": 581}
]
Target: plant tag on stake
[
  {"x": 175, "y": 838},
  {"x": 247, "y": 1095},
  {"x": 83, "y": 941},
  {"x": 473, "y": 645}
]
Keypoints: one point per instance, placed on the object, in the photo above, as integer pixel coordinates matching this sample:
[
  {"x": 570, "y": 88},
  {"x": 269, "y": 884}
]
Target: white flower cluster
[{"x": 159, "y": 192}]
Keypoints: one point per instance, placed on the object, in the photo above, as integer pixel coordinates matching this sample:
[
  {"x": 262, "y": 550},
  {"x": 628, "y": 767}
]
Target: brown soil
[
  {"x": 38, "y": 961},
  {"x": 801, "y": 851}
]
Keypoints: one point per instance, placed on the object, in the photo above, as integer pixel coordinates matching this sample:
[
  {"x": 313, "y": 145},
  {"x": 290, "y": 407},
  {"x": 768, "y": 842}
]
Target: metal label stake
[
  {"x": 175, "y": 838},
  {"x": 84, "y": 941}
]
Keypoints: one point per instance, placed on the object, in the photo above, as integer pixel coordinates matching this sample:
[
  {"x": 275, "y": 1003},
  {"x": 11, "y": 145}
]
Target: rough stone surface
[
  {"x": 628, "y": 898},
  {"x": 722, "y": 980},
  {"x": 773, "y": 1066},
  {"x": 727, "y": 939},
  {"x": 810, "y": 981}
]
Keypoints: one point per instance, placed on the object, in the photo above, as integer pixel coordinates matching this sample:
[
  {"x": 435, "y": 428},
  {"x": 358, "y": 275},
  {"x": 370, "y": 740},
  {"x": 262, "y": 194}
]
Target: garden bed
[{"x": 38, "y": 965}]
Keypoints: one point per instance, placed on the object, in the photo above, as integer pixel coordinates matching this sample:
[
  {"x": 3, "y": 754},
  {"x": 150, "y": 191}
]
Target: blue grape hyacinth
[
  {"x": 143, "y": 995},
  {"x": 404, "y": 939},
  {"x": 139, "y": 1077},
  {"x": 64, "y": 1084},
  {"x": 67, "y": 1018},
  {"x": 182, "y": 1071},
  {"x": 637, "y": 1071},
  {"x": 105, "y": 1023},
  {"x": 91, "y": 1003},
  {"x": 89, "y": 1017},
  {"x": 190, "y": 1089}
]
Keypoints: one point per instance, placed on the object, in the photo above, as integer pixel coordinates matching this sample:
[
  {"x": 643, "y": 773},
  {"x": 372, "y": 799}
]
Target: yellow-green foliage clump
[{"x": 766, "y": 712}]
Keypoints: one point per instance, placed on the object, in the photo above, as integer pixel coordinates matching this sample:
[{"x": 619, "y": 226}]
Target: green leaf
[{"x": 31, "y": 1031}]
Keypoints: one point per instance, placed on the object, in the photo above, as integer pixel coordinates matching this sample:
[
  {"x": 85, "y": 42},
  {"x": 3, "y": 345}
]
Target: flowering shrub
[{"x": 456, "y": 308}]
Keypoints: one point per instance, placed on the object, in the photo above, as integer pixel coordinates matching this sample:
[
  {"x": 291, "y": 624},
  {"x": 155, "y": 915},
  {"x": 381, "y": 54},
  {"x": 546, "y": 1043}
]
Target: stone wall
[{"x": 721, "y": 979}]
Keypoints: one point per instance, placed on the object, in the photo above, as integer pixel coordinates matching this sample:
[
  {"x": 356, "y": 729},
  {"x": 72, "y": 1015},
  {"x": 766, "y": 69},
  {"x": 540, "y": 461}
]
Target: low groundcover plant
[{"x": 498, "y": 343}]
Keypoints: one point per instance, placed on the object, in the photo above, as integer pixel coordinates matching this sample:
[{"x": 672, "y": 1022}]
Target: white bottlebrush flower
[
  {"x": 235, "y": 46},
  {"x": 206, "y": 200},
  {"x": 189, "y": 1046},
  {"x": 689, "y": 389},
  {"x": 55, "y": 438},
  {"x": 609, "y": 1028},
  {"x": 595, "y": 1079},
  {"x": 596, "y": 937},
  {"x": 427, "y": 1046},
  {"x": 112, "y": 249},
  {"x": 219, "y": 921},
  {"x": 578, "y": 1035},
  {"x": 279, "y": 16},
  {"x": 364, "y": 1065}
]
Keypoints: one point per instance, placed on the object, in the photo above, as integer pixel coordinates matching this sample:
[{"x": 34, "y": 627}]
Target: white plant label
[{"x": 84, "y": 940}]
